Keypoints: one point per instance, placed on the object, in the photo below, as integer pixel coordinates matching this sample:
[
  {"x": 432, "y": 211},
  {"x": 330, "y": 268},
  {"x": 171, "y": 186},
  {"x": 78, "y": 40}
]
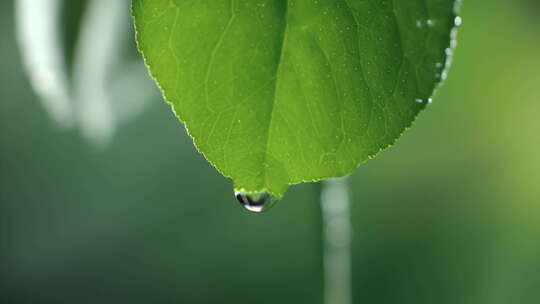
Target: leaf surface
[{"x": 280, "y": 92}]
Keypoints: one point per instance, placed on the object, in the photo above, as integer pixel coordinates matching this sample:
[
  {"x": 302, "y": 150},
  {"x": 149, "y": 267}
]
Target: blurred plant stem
[
  {"x": 104, "y": 88},
  {"x": 337, "y": 233},
  {"x": 98, "y": 49},
  {"x": 38, "y": 34}
]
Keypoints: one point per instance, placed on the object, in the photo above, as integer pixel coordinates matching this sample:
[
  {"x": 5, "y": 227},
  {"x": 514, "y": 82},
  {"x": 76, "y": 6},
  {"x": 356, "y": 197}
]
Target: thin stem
[
  {"x": 337, "y": 233},
  {"x": 97, "y": 50},
  {"x": 38, "y": 36}
]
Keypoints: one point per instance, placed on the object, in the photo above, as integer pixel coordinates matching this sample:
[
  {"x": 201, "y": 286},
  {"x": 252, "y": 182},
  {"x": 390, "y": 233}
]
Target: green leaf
[{"x": 280, "y": 92}]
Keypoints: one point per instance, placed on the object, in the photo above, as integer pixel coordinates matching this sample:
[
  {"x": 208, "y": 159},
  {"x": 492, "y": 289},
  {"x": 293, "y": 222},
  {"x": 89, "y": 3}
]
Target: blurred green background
[{"x": 451, "y": 214}]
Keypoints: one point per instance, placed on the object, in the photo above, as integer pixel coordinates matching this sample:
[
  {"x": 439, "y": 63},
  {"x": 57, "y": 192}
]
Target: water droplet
[
  {"x": 258, "y": 202},
  {"x": 457, "y": 21},
  {"x": 444, "y": 74},
  {"x": 419, "y": 100}
]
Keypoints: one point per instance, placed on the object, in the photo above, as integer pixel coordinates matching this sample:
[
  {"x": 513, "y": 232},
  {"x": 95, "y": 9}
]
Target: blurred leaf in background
[{"x": 450, "y": 215}]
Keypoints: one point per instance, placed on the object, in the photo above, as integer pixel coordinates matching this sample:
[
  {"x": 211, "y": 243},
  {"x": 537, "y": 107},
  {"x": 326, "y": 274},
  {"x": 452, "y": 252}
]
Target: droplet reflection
[{"x": 258, "y": 202}]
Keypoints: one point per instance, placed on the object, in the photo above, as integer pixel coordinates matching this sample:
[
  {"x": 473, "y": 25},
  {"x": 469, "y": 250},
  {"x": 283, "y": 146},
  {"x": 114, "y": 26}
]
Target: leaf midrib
[{"x": 284, "y": 35}]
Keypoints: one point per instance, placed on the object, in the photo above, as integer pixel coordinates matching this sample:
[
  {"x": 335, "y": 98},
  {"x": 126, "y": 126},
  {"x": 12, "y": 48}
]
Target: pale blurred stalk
[
  {"x": 38, "y": 35},
  {"x": 337, "y": 235}
]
